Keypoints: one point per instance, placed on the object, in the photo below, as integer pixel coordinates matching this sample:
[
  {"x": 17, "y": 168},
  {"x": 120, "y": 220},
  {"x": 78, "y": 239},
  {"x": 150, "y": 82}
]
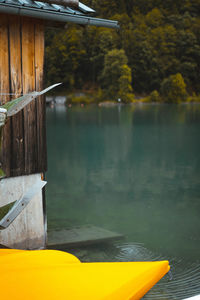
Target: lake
[{"x": 135, "y": 170}]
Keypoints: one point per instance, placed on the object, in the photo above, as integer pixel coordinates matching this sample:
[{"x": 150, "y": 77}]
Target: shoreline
[{"x": 63, "y": 101}]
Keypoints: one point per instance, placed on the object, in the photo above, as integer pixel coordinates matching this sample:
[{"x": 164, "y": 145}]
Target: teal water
[{"x": 134, "y": 170}]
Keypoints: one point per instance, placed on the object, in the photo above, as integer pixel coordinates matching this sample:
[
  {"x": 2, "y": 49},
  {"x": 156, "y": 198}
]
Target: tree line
[{"x": 155, "y": 54}]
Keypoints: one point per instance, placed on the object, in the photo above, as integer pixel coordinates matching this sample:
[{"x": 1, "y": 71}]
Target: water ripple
[{"x": 185, "y": 280}]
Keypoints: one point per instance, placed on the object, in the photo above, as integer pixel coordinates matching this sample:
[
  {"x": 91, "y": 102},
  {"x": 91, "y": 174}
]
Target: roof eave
[{"x": 56, "y": 16}]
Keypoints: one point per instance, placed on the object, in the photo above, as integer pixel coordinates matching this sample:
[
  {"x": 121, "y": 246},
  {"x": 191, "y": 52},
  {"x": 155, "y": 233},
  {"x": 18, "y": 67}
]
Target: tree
[
  {"x": 125, "y": 92},
  {"x": 64, "y": 56},
  {"x": 116, "y": 78},
  {"x": 154, "y": 96},
  {"x": 154, "y": 18},
  {"x": 98, "y": 45},
  {"x": 173, "y": 89},
  {"x": 160, "y": 38}
]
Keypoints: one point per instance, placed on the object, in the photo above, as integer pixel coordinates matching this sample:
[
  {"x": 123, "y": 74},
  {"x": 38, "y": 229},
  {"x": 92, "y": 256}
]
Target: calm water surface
[{"x": 134, "y": 170}]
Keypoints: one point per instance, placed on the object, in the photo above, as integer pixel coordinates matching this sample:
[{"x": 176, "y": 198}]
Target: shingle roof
[{"x": 55, "y": 10}]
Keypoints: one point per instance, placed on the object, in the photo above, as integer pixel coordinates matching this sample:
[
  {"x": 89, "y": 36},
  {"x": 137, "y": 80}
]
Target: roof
[{"x": 68, "y": 11}]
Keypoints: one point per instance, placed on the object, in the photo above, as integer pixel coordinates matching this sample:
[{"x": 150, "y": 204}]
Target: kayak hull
[{"x": 52, "y": 275}]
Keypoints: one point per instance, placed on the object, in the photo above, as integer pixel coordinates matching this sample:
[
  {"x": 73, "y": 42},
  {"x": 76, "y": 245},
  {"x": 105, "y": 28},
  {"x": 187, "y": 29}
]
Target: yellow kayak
[{"x": 57, "y": 275}]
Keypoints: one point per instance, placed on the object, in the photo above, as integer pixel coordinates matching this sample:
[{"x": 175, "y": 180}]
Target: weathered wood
[
  {"x": 40, "y": 104},
  {"x": 78, "y": 236},
  {"x": 15, "y": 56},
  {"x": 21, "y": 71},
  {"x": 17, "y": 156},
  {"x": 27, "y": 230},
  {"x": 28, "y": 73},
  {"x": 4, "y": 91},
  {"x": 4, "y": 59}
]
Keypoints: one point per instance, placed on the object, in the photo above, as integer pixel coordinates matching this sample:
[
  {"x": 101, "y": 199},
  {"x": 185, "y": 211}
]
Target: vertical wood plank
[
  {"x": 5, "y": 89},
  {"x": 41, "y": 108},
  {"x": 28, "y": 77},
  {"x": 21, "y": 71},
  {"x": 4, "y": 59},
  {"x": 40, "y": 102},
  {"x": 17, "y": 163}
]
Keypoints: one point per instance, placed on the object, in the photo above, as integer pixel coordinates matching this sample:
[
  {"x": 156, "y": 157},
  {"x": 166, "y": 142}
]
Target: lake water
[{"x": 134, "y": 170}]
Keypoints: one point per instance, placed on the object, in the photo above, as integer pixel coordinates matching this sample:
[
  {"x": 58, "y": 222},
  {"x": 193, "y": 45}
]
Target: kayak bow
[{"x": 55, "y": 275}]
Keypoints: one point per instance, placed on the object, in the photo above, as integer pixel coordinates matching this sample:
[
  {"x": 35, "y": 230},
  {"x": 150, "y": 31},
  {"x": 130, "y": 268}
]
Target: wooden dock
[{"x": 79, "y": 236}]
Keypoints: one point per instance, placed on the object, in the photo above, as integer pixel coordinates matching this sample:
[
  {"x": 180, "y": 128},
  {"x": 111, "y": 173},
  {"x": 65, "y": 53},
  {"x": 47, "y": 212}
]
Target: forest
[{"x": 154, "y": 56}]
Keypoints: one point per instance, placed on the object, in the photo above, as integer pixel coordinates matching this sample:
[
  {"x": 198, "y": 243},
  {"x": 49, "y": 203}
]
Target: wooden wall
[{"x": 21, "y": 71}]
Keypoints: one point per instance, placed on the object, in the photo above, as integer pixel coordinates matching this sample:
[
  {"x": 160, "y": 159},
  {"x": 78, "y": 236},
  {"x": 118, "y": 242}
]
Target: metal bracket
[{"x": 20, "y": 204}]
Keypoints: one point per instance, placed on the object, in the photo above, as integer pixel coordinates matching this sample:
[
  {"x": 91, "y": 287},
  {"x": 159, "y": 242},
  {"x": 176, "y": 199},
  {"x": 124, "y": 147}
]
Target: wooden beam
[
  {"x": 17, "y": 165},
  {"x": 4, "y": 91},
  {"x": 28, "y": 80},
  {"x": 40, "y": 103}
]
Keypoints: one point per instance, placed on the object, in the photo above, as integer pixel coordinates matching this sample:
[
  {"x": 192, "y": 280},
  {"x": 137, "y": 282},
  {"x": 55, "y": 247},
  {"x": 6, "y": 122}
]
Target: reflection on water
[{"x": 134, "y": 170}]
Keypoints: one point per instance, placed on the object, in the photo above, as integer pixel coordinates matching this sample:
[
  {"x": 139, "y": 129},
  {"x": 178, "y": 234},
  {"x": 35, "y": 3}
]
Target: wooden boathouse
[{"x": 23, "y": 155}]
